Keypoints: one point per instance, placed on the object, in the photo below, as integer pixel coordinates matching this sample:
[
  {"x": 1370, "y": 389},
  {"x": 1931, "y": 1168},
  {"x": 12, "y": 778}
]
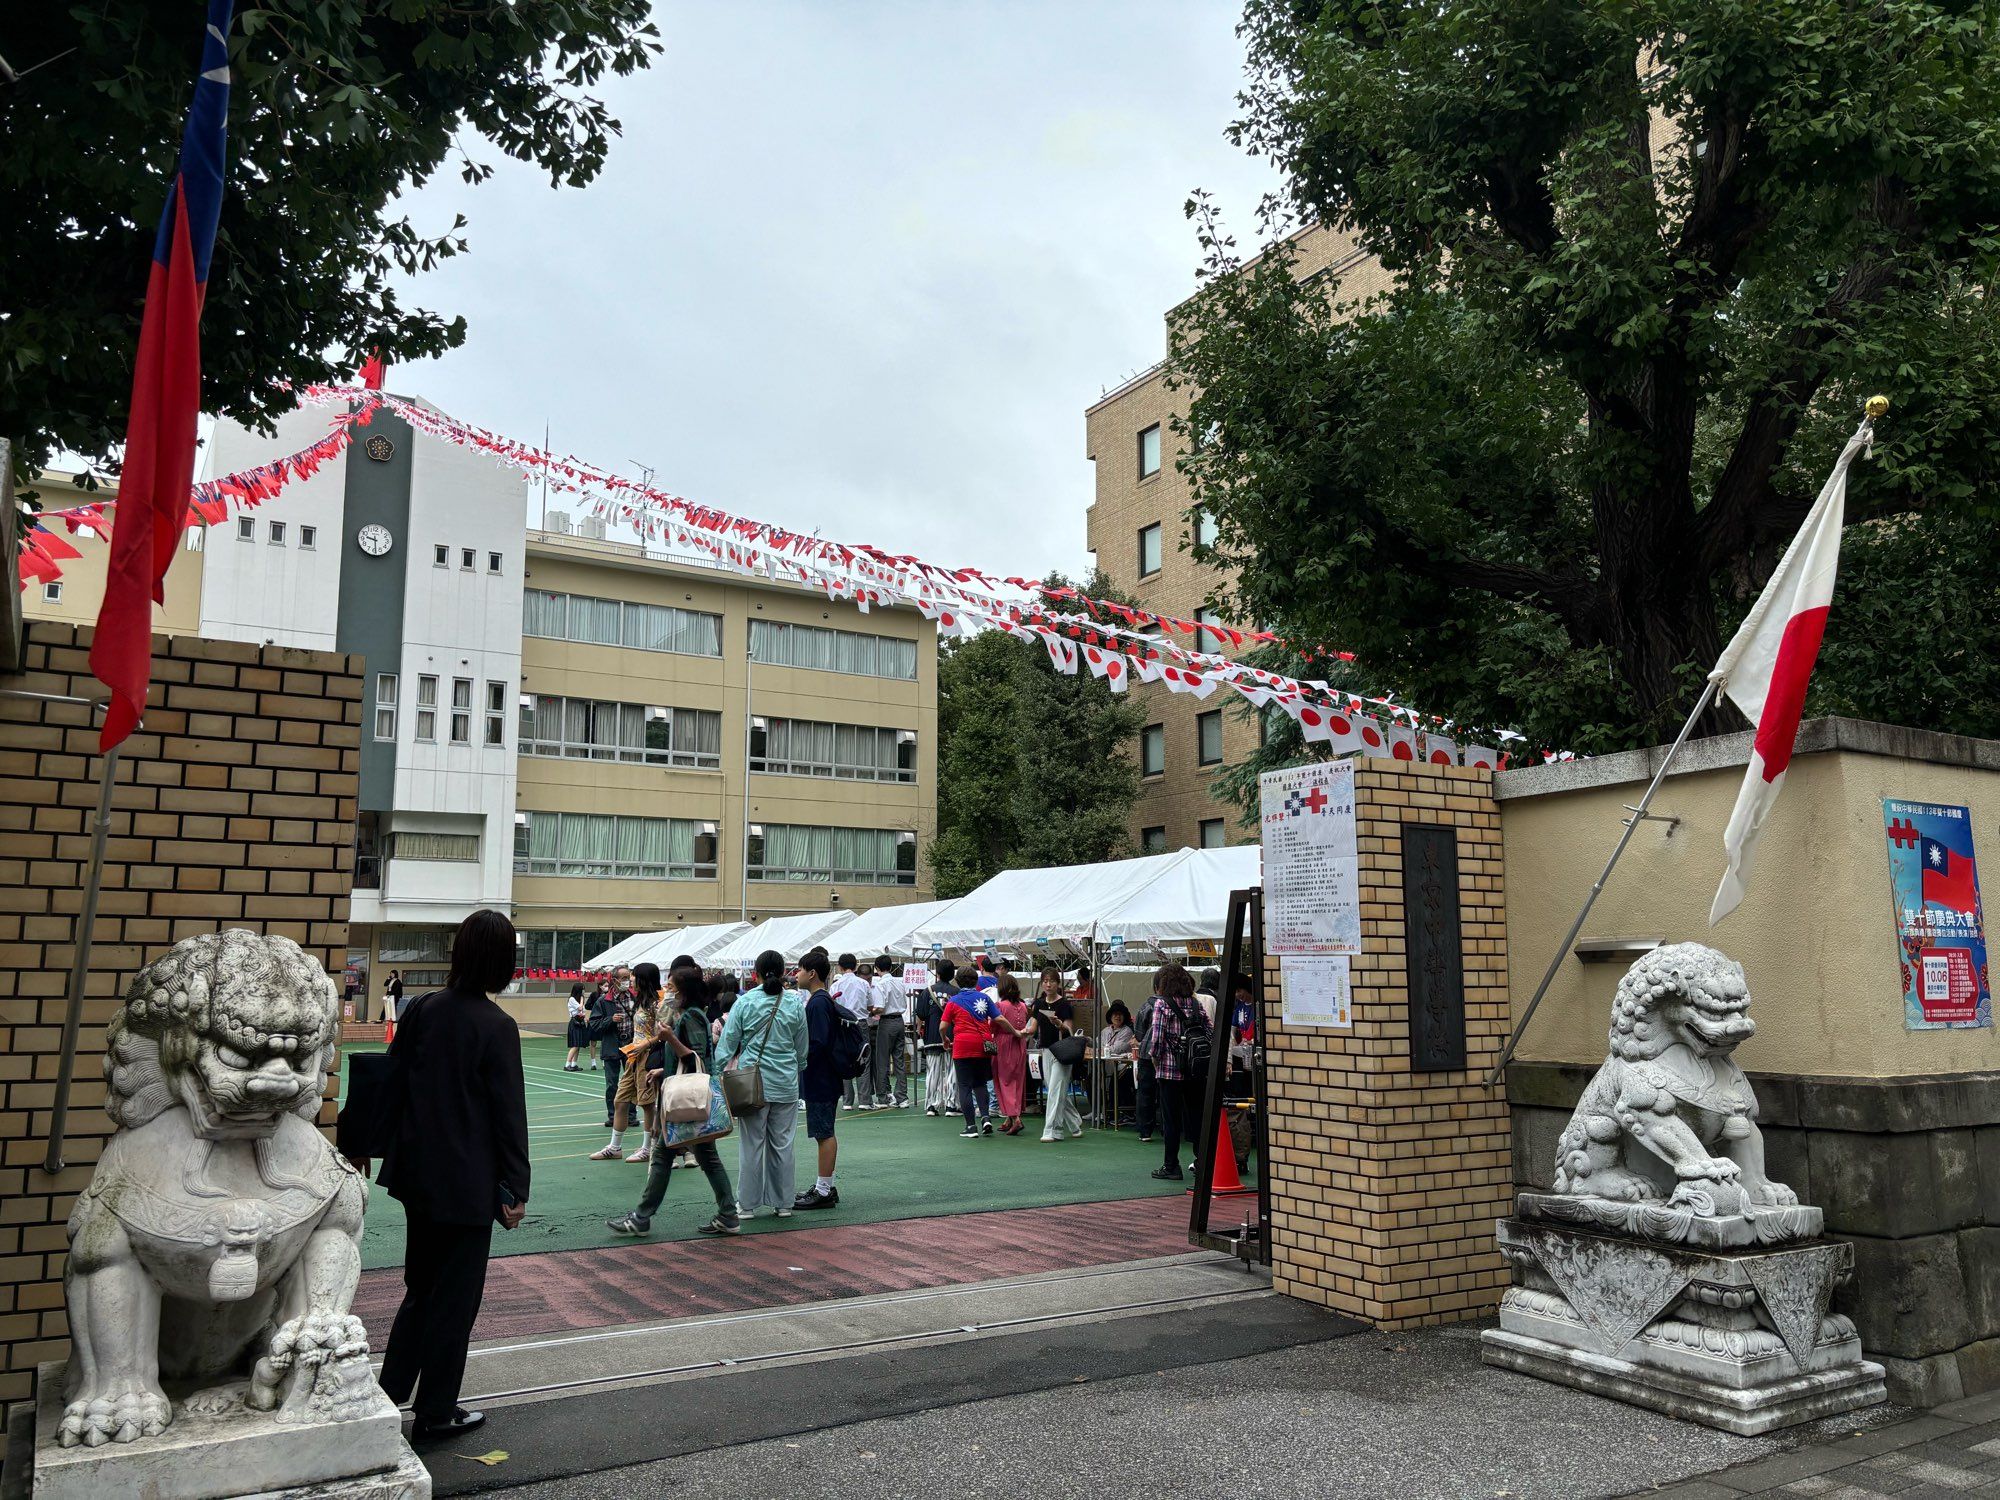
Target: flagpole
[{"x": 1639, "y": 815}]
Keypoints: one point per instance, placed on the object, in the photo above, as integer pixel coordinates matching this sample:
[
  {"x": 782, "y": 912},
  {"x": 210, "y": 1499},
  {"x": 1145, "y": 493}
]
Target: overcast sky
[{"x": 858, "y": 266}]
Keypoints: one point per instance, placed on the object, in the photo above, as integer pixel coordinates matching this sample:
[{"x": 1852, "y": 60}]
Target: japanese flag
[
  {"x": 1764, "y": 670},
  {"x": 1374, "y": 738},
  {"x": 1484, "y": 757},
  {"x": 1402, "y": 741},
  {"x": 1315, "y": 722},
  {"x": 1440, "y": 751},
  {"x": 1343, "y": 730}
]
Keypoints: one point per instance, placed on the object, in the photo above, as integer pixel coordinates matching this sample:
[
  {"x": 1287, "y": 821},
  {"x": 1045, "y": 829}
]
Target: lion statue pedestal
[
  {"x": 1666, "y": 1268},
  {"x": 214, "y": 1256}
]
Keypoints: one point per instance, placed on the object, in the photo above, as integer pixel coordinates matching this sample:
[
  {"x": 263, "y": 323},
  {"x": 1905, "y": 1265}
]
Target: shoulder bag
[
  {"x": 744, "y": 1086},
  {"x": 684, "y": 1096}
]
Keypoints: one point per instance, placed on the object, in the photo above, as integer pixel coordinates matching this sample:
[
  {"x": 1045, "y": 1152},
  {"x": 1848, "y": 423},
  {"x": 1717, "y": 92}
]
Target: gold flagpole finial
[{"x": 1877, "y": 407}]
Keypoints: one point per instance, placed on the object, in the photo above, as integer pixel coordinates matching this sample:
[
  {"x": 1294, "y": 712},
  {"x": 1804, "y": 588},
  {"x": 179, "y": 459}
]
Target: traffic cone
[
  {"x": 1223, "y": 1179},
  {"x": 388, "y": 1030}
]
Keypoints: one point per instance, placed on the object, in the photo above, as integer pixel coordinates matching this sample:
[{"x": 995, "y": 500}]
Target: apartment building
[
  {"x": 598, "y": 737},
  {"x": 1140, "y": 529}
]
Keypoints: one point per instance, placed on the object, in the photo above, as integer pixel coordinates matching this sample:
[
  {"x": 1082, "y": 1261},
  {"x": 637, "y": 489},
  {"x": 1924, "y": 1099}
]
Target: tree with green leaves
[
  {"x": 1035, "y": 767},
  {"x": 1650, "y": 258},
  {"x": 336, "y": 108}
]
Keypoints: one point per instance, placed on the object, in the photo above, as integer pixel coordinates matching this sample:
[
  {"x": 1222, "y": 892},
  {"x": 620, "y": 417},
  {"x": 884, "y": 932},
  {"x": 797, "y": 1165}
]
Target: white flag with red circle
[{"x": 1765, "y": 669}]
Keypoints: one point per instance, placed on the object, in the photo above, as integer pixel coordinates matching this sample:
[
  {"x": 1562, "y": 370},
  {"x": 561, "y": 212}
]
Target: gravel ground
[{"x": 1415, "y": 1416}]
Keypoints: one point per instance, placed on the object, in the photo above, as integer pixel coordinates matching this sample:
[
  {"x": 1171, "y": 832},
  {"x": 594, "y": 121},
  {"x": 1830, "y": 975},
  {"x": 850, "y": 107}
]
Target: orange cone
[{"x": 1224, "y": 1181}]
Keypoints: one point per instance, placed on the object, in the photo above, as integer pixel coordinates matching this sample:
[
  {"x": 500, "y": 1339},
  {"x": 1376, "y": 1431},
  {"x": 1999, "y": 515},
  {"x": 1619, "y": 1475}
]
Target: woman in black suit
[{"x": 457, "y": 1161}]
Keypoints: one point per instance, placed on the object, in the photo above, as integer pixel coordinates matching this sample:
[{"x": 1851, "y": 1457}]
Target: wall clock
[{"x": 374, "y": 540}]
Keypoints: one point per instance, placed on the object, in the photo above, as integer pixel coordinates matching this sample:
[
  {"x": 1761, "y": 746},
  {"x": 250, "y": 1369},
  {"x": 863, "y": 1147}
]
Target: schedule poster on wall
[
  {"x": 1312, "y": 899},
  {"x": 1940, "y": 929}
]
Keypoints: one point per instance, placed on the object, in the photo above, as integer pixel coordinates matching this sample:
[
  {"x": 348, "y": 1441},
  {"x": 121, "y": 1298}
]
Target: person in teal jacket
[{"x": 766, "y": 1030}]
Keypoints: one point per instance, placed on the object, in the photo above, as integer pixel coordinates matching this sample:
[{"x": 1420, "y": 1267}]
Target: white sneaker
[
  {"x": 644, "y": 1153},
  {"x": 784, "y": 1213}
]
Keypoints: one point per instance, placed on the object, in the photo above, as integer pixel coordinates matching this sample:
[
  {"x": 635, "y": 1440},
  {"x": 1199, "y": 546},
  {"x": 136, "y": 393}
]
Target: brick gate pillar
[{"x": 1390, "y": 1158}]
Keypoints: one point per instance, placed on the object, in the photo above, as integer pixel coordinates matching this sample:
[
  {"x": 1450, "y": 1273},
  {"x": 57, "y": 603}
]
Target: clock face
[{"x": 374, "y": 540}]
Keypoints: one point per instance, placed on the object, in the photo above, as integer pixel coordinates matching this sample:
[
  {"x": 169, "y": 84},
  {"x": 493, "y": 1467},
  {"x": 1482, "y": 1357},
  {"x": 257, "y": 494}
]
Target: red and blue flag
[
  {"x": 153, "y": 487},
  {"x": 1948, "y": 877}
]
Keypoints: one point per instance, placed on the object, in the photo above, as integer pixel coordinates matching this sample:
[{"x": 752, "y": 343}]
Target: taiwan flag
[
  {"x": 1948, "y": 877},
  {"x": 158, "y": 474}
]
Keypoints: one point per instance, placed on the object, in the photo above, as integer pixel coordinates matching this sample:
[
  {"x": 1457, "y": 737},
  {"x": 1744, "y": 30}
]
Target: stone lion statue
[
  {"x": 1670, "y": 1115},
  {"x": 217, "y": 1247}
]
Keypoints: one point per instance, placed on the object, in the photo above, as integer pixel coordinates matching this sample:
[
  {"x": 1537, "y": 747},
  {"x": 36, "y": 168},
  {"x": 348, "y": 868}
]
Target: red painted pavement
[{"x": 572, "y": 1290}]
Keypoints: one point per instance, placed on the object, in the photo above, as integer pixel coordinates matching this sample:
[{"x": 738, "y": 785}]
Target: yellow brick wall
[
  {"x": 233, "y": 806},
  {"x": 1385, "y": 1183}
]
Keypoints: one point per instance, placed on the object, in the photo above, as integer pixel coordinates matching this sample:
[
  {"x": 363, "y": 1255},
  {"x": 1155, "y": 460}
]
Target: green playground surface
[{"x": 894, "y": 1164}]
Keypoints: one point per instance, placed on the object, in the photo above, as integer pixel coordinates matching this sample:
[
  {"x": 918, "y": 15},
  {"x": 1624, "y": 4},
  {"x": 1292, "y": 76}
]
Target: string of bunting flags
[
  {"x": 1112, "y": 641},
  {"x": 43, "y": 552}
]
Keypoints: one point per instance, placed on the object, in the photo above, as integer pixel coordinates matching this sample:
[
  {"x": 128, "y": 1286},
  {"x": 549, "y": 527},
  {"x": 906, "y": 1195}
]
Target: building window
[
  {"x": 455, "y": 848},
  {"x": 465, "y": 555},
  {"x": 492, "y": 562},
  {"x": 844, "y": 752},
  {"x": 277, "y": 533},
  {"x": 1214, "y": 833},
  {"x": 835, "y": 856},
  {"x": 1206, "y": 637},
  {"x": 308, "y": 537},
  {"x": 461, "y": 710},
  {"x": 550, "y": 956},
  {"x": 610, "y": 622},
  {"x": 822, "y": 650},
  {"x": 1206, "y": 533},
  {"x": 1152, "y": 841},
  {"x": 52, "y": 593},
  {"x": 1149, "y": 452},
  {"x": 607, "y": 845},
  {"x": 1153, "y": 750},
  {"x": 427, "y": 704},
  {"x": 440, "y": 556},
  {"x": 385, "y": 705},
  {"x": 1208, "y": 737},
  {"x": 637, "y": 733},
  {"x": 496, "y": 713},
  {"x": 246, "y": 529},
  {"x": 1149, "y": 550}
]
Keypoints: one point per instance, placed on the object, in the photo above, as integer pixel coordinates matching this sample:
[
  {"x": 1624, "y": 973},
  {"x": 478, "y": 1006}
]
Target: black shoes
[
  {"x": 1167, "y": 1174},
  {"x": 457, "y": 1424},
  {"x": 816, "y": 1199}
]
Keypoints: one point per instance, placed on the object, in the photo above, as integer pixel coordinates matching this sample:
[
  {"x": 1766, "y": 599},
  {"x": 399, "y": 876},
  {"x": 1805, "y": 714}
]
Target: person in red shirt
[{"x": 968, "y": 1025}]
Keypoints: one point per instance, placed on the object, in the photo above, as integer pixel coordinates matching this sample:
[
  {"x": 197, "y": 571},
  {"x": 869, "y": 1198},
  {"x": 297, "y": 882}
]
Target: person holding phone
[{"x": 456, "y": 1158}]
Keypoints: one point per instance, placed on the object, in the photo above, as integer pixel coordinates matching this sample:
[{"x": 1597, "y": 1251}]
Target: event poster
[
  {"x": 916, "y": 976},
  {"x": 1316, "y": 991},
  {"x": 1312, "y": 899},
  {"x": 1940, "y": 929}
]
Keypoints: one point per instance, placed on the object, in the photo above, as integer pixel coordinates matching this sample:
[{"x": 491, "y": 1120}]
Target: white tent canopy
[
  {"x": 1067, "y": 904},
  {"x": 1187, "y": 903},
  {"x": 791, "y": 936},
  {"x": 621, "y": 952},
  {"x": 696, "y": 942},
  {"x": 887, "y": 929}
]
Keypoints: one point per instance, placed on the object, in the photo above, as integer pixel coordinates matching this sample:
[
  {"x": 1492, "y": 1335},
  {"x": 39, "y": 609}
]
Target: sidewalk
[
  {"x": 1950, "y": 1450},
  {"x": 1358, "y": 1417}
]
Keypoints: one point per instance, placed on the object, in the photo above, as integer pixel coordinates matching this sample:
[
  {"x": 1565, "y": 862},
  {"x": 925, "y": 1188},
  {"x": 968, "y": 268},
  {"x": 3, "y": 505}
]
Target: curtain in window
[
  {"x": 679, "y": 841},
  {"x": 698, "y": 731},
  {"x": 594, "y": 620},
  {"x": 542, "y": 614},
  {"x": 631, "y": 731},
  {"x": 697, "y": 634},
  {"x": 544, "y": 831}
]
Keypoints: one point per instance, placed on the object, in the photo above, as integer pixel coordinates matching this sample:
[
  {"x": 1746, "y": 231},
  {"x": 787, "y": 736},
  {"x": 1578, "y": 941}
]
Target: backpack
[
  {"x": 1192, "y": 1048},
  {"x": 847, "y": 1048}
]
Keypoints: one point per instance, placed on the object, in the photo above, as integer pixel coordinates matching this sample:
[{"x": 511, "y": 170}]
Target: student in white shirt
[
  {"x": 850, "y": 992},
  {"x": 888, "y": 1064}
]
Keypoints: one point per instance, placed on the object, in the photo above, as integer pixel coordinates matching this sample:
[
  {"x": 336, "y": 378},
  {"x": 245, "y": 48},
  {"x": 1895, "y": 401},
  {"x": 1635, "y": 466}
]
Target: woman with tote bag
[
  {"x": 682, "y": 1031},
  {"x": 763, "y": 1046}
]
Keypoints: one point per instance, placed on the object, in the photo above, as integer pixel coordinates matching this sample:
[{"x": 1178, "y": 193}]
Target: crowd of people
[{"x": 811, "y": 1040}]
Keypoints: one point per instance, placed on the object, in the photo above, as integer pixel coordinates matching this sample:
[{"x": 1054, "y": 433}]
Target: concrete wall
[
  {"x": 1814, "y": 935},
  {"x": 1895, "y": 1134},
  {"x": 233, "y": 807}
]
